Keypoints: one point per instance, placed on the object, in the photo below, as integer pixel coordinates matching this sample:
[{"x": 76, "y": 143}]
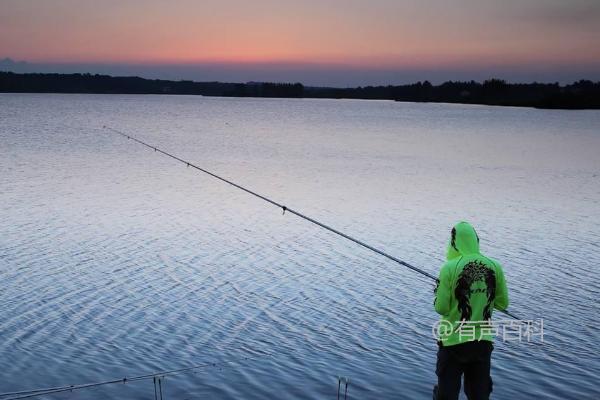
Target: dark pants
[{"x": 471, "y": 359}]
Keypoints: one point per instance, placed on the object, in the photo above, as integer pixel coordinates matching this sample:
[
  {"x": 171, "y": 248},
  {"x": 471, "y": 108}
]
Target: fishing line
[{"x": 285, "y": 209}]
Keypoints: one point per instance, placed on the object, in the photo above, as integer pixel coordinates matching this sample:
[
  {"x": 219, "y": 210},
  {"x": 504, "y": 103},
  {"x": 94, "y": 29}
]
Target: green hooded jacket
[{"x": 470, "y": 286}]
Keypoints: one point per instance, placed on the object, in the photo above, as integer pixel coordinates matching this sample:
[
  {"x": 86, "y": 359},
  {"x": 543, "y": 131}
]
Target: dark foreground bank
[{"x": 579, "y": 95}]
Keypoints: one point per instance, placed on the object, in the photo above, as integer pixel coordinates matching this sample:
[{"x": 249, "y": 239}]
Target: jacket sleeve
[
  {"x": 443, "y": 292},
  {"x": 501, "y": 300}
]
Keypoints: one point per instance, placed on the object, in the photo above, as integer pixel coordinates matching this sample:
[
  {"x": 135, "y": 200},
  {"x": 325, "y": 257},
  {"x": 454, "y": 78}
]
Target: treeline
[
  {"x": 104, "y": 84},
  {"x": 579, "y": 95}
]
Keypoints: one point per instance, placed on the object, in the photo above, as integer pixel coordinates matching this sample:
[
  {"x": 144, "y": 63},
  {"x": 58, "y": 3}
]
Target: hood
[{"x": 463, "y": 240}]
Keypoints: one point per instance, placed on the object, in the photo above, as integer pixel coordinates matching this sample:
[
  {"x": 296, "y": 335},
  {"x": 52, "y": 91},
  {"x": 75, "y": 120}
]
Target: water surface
[{"x": 116, "y": 261}]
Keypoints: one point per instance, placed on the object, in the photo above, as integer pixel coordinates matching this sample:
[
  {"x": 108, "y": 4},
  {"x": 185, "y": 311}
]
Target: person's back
[{"x": 470, "y": 286}]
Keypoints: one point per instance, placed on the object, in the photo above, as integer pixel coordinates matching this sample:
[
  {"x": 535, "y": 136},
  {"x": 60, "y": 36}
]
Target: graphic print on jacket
[{"x": 473, "y": 272}]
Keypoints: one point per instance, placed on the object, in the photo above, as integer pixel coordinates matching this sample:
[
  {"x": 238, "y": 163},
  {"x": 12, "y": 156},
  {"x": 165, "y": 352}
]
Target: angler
[{"x": 470, "y": 287}]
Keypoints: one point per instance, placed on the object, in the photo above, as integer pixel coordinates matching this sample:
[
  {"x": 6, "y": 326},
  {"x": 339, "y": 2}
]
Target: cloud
[{"x": 8, "y": 64}]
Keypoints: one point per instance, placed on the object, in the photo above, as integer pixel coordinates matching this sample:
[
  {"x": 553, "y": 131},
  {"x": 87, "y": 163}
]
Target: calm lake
[{"x": 117, "y": 261}]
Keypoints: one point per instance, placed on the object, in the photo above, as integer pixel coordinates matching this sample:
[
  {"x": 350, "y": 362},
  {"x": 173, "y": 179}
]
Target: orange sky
[{"x": 358, "y": 33}]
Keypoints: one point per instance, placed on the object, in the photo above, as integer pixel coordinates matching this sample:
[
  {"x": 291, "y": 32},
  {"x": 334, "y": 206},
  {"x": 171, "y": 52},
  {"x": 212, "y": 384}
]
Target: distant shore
[{"x": 579, "y": 95}]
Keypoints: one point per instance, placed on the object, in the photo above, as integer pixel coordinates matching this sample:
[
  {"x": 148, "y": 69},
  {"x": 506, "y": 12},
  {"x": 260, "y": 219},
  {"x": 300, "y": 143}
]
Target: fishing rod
[
  {"x": 285, "y": 209},
  {"x": 26, "y": 394}
]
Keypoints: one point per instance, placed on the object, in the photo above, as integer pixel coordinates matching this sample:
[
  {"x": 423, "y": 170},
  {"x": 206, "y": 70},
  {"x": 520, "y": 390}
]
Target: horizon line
[
  {"x": 422, "y": 82},
  {"x": 312, "y": 73}
]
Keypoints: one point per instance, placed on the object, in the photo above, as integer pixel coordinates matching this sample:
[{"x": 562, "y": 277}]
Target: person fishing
[{"x": 470, "y": 286}]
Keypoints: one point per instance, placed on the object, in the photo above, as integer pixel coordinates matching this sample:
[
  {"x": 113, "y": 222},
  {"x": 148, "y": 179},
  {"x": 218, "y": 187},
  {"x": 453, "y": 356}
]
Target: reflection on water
[{"x": 116, "y": 261}]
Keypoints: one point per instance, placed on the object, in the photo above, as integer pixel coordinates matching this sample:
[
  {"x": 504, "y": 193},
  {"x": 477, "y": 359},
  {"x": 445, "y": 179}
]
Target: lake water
[{"x": 116, "y": 261}]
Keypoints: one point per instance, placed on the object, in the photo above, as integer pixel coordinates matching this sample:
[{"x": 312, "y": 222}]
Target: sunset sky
[{"x": 337, "y": 42}]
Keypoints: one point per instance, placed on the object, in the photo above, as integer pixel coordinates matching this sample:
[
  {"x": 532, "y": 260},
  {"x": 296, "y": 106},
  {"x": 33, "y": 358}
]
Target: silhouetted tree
[{"x": 580, "y": 94}]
